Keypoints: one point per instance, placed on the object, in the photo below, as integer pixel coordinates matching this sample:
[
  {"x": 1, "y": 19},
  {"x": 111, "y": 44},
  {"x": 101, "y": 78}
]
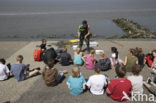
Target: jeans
[{"x": 60, "y": 77}]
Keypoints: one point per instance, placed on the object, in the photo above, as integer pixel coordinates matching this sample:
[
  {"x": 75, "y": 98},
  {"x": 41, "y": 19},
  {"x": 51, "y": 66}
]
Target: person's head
[
  {"x": 97, "y": 68},
  {"x": 78, "y": 50},
  {"x": 136, "y": 69},
  {"x": 140, "y": 51},
  {"x": 120, "y": 71},
  {"x": 2, "y": 61},
  {"x": 50, "y": 64},
  {"x": 38, "y": 47},
  {"x": 84, "y": 23},
  {"x": 75, "y": 72},
  {"x": 115, "y": 51},
  {"x": 102, "y": 54},
  {"x": 132, "y": 51},
  {"x": 64, "y": 49},
  {"x": 44, "y": 41},
  {"x": 19, "y": 58},
  {"x": 92, "y": 52},
  {"x": 154, "y": 53}
]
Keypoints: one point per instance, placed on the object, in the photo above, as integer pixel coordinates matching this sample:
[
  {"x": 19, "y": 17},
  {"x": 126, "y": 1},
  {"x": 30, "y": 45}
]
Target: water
[{"x": 43, "y": 18}]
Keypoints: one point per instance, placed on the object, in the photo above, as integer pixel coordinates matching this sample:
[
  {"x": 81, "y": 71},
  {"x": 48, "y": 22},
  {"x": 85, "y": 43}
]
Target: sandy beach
[{"x": 34, "y": 90}]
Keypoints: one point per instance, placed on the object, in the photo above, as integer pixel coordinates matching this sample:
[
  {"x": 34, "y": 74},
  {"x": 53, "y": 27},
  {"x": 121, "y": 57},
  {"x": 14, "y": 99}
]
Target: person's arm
[
  {"x": 81, "y": 54},
  {"x": 68, "y": 82},
  {"x": 88, "y": 83},
  {"x": 125, "y": 60},
  {"x": 84, "y": 83},
  {"x": 7, "y": 71},
  {"x": 84, "y": 58},
  {"x": 109, "y": 89},
  {"x": 88, "y": 32},
  {"x": 95, "y": 60},
  {"x": 78, "y": 32}
]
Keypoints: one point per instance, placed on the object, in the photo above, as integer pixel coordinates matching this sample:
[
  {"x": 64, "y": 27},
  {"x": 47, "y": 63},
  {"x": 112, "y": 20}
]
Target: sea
[{"x": 60, "y": 18}]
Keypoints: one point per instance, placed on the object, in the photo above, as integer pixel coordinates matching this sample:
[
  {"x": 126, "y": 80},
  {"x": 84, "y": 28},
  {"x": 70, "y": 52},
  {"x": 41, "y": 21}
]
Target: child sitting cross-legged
[
  {"x": 97, "y": 82},
  {"x": 120, "y": 88},
  {"x": 78, "y": 57},
  {"x": 51, "y": 76},
  {"x": 90, "y": 60},
  {"x": 76, "y": 82},
  {"x": 64, "y": 57},
  {"x": 136, "y": 80},
  {"x": 4, "y": 70}
]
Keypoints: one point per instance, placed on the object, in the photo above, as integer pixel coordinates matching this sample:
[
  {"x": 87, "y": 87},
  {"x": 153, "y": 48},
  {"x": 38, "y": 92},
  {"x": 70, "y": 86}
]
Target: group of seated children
[
  {"x": 118, "y": 89},
  {"x": 19, "y": 70}
]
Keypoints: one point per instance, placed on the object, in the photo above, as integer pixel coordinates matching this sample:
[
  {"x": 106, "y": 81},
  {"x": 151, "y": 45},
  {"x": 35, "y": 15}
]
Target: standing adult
[{"x": 84, "y": 34}]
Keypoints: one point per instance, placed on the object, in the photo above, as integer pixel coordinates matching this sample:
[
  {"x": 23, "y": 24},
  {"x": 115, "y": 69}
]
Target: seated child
[
  {"x": 141, "y": 57},
  {"x": 104, "y": 62},
  {"x": 37, "y": 53},
  {"x": 90, "y": 60},
  {"x": 153, "y": 67},
  {"x": 43, "y": 45},
  {"x": 114, "y": 57},
  {"x": 136, "y": 80},
  {"x": 97, "y": 82},
  {"x": 76, "y": 82},
  {"x": 78, "y": 57},
  {"x": 51, "y": 76},
  {"x": 149, "y": 60},
  {"x": 19, "y": 70},
  {"x": 4, "y": 71},
  {"x": 120, "y": 89},
  {"x": 64, "y": 57}
]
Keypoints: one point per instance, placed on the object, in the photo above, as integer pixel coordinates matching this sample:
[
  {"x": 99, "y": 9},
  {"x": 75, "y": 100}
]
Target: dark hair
[
  {"x": 114, "y": 50},
  {"x": 2, "y": 60},
  {"x": 64, "y": 49},
  {"x": 154, "y": 51},
  {"x": 97, "y": 68},
  {"x": 132, "y": 51},
  {"x": 136, "y": 69},
  {"x": 84, "y": 22},
  {"x": 44, "y": 40},
  {"x": 50, "y": 64},
  {"x": 120, "y": 70}
]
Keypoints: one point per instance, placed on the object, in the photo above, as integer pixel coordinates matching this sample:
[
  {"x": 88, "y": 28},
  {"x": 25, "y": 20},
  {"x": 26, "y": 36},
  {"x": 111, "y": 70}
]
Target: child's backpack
[
  {"x": 50, "y": 77},
  {"x": 105, "y": 64},
  {"x": 37, "y": 55},
  {"x": 49, "y": 54}
]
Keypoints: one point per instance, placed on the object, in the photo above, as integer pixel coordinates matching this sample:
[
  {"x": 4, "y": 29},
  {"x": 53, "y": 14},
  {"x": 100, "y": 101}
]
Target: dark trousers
[
  {"x": 86, "y": 40},
  {"x": 60, "y": 77}
]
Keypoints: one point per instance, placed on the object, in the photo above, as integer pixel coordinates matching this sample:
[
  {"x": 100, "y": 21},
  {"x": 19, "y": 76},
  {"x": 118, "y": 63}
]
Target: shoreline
[{"x": 65, "y": 39}]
